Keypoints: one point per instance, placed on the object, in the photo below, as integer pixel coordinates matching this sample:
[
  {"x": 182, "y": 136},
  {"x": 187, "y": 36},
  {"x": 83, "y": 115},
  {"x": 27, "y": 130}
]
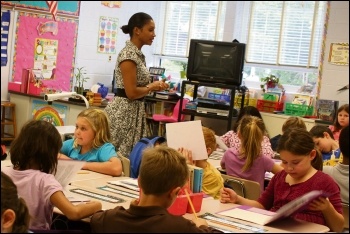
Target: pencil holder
[
  {"x": 196, "y": 199},
  {"x": 179, "y": 206}
]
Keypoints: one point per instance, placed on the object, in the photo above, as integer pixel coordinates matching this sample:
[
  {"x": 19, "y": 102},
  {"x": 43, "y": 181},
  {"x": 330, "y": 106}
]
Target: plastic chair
[
  {"x": 125, "y": 164},
  {"x": 170, "y": 119},
  {"x": 245, "y": 188}
]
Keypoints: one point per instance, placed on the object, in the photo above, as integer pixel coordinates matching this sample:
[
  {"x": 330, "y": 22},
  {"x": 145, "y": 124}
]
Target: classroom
[{"x": 58, "y": 60}]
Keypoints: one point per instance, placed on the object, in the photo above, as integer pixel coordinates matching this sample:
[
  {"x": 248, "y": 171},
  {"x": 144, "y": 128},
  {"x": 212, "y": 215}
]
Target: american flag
[{"x": 52, "y": 8}]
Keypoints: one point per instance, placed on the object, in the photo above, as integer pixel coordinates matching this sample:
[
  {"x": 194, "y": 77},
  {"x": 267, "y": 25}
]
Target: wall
[{"x": 335, "y": 77}]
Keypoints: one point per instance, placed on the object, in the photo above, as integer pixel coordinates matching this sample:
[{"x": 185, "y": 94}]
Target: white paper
[
  {"x": 188, "y": 135},
  {"x": 220, "y": 143},
  {"x": 128, "y": 183},
  {"x": 66, "y": 170}
]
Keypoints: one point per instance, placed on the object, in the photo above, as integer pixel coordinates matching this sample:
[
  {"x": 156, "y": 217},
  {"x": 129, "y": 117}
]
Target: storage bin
[
  {"x": 179, "y": 207},
  {"x": 298, "y": 110},
  {"x": 269, "y": 106},
  {"x": 196, "y": 199}
]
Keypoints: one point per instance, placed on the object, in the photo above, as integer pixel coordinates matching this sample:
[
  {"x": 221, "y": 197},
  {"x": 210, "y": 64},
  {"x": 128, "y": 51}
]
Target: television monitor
[{"x": 216, "y": 62}]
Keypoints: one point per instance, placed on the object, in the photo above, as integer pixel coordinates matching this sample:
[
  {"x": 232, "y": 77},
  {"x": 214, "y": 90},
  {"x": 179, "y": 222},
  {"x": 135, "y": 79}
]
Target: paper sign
[{"x": 188, "y": 135}]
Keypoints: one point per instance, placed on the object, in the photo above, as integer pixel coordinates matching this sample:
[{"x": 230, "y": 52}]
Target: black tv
[{"x": 216, "y": 62}]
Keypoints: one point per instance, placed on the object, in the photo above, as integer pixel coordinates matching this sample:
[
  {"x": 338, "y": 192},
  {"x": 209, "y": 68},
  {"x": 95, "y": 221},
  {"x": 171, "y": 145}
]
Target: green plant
[
  {"x": 270, "y": 82},
  {"x": 80, "y": 78}
]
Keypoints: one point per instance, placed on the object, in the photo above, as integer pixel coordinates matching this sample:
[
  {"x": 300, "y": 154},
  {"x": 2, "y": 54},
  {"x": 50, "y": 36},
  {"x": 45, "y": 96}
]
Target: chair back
[
  {"x": 346, "y": 215},
  {"x": 245, "y": 188},
  {"x": 125, "y": 164},
  {"x": 177, "y": 108}
]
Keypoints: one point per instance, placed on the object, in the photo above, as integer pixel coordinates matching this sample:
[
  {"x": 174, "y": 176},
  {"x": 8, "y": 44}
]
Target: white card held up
[{"x": 188, "y": 135}]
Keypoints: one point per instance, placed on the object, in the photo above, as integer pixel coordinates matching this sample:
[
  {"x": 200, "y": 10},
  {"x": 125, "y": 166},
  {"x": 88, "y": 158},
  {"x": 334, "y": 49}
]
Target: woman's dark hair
[
  {"x": 10, "y": 200},
  {"x": 247, "y": 110},
  {"x": 36, "y": 146},
  {"x": 137, "y": 20},
  {"x": 299, "y": 141}
]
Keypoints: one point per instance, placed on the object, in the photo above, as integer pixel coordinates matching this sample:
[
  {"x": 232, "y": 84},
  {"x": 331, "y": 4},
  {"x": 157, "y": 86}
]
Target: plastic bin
[
  {"x": 298, "y": 110},
  {"x": 269, "y": 106}
]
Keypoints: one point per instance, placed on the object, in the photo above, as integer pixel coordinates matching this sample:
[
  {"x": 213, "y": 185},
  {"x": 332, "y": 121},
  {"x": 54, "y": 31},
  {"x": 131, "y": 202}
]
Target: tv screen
[{"x": 216, "y": 62}]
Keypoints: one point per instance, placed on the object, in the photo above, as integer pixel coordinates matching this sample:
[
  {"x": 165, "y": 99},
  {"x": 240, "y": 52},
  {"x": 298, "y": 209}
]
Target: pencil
[
  {"x": 191, "y": 204},
  {"x": 83, "y": 172}
]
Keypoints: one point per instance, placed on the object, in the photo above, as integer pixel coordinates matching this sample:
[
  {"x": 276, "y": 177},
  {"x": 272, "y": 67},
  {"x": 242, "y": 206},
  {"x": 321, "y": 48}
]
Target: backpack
[{"x": 136, "y": 153}]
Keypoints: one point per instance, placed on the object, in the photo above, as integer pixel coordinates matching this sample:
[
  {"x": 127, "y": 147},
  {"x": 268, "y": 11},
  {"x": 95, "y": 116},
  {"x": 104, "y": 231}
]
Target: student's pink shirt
[
  {"x": 232, "y": 140},
  {"x": 36, "y": 188},
  {"x": 335, "y": 134},
  {"x": 234, "y": 163}
]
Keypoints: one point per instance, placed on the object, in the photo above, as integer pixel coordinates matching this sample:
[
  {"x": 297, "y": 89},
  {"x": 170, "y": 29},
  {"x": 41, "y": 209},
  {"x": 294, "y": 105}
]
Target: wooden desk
[{"x": 83, "y": 175}]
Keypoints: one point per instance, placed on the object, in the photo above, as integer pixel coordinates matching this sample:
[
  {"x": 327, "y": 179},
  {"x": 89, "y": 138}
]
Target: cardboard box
[{"x": 15, "y": 86}]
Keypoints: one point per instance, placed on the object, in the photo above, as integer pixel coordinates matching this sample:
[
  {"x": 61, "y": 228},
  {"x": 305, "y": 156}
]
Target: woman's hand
[
  {"x": 159, "y": 86},
  {"x": 228, "y": 196}
]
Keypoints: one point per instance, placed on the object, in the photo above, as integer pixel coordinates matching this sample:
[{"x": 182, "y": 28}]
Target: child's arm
[
  {"x": 276, "y": 168},
  {"x": 111, "y": 167},
  {"x": 334, "y": 220},
  {"x": 62, "y": 156},
  {"x": 74, "y": 212},
  {"x": 227, "y": 195}
]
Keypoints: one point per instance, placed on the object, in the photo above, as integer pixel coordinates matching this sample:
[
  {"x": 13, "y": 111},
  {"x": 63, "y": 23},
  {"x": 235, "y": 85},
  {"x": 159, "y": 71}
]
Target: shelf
[{"x": 207, "y": 115}]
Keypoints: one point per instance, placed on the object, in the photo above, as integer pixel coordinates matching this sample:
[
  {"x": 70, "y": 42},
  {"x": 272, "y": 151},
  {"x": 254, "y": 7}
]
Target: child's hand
[
  {"x": 187, "y": 154},
  {"x": 199, "y": 222},
  {"x": 228, "y": 195},
  {"x": 320, "y": 204}
]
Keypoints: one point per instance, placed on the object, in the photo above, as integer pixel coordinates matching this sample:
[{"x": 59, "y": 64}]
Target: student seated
[
  {"x": 291, "y": 122},
  {"x": 341, "y": 121},
  {"x": 232, "y": 140},
  {"x": 163, "y": 172},
  {"x": 249, "y": 162},
  {"x": 14, "y": 212},
  {"x": 324, "y": 141},
  {"x": 34, "y": 157},
  {"x": 298, "y": 155},
  {"x": 212, "y": 179},
  {"x": 91, "y": 143},
  {"x": 340, "y": 172}
]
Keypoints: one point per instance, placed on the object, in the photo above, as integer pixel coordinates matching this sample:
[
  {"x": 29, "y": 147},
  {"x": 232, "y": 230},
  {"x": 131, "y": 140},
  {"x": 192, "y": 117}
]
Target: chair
[
  {"x": 170, "y": 119},
  {"x": 8, "y": 118},
  {"x": 246, "y": 188},
  {"x": 346, "y": 215},
  {"x": 125, "y": 164}
]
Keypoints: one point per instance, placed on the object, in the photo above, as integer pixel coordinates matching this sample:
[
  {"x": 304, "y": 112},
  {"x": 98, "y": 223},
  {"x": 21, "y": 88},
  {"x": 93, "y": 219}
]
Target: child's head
[
  {"x": 14, "y": 212},
  {"x": 297, "y": 151},
  {"x": 323, "y": 138},
  {"x": 36, "y": 147},
  {"x": 209, "y": 139},
  {"x": 293, "y": 122},
  {"x": 92, "y": 128},
  {"x": 247, "y": 110},
  {"x": 163, "y": 170},
  {"x": 344, "y": 144},
  {"x": 342, "y": 118},
  {"x": 251, "y": 133}
]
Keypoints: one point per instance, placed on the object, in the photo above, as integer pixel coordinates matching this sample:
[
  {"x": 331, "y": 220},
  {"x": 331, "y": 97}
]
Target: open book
[{"x": 262, "y": 217}]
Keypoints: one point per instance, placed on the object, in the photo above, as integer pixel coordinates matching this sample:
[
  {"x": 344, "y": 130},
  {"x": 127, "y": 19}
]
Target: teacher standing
[{"x": 127, "y": 110}]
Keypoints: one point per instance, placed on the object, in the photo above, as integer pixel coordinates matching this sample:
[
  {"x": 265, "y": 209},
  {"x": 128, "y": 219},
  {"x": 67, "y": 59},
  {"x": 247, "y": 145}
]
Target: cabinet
[{"x": 194, "y": 113}]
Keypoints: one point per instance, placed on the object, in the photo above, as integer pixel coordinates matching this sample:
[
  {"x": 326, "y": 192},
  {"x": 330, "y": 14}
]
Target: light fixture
[{"x": 54, "y": 96}]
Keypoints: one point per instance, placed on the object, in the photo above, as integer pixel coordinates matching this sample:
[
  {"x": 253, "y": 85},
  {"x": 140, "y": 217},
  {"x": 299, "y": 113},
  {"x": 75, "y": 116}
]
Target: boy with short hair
[
  {"x": 163, "y": 172},
  {"x": 340, "y": 172},
  {"x": 324, "y": 141}
]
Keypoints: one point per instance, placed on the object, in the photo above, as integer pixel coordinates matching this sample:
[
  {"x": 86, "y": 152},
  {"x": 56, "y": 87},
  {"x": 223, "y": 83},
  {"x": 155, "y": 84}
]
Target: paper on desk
[
  {"x": 188, "y": 135},
  {"x": 220, "y": 143},
  {"x": 66, "y": 170},
  {"x": 127, "y": 183}
]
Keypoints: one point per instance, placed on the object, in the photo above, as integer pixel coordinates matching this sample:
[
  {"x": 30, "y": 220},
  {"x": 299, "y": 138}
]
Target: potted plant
[
  {"x": 183, "y": 72},
  {"x": 80, "y": 79},
  {"x": 270, "y": 82}
]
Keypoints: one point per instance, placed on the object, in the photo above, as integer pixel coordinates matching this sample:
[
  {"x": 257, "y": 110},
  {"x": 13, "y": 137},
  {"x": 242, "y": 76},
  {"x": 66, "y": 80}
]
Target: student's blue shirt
[
  {"x": 101, "y": 154},
  {"x": 327, "y": 156}
]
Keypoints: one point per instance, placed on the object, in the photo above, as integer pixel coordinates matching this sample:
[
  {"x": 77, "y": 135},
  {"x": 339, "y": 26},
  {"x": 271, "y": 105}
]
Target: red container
[
  {"x": 196, "y": 199},
  {"x": 179, "y": 207},
  {"x": 269, "y": 106}
]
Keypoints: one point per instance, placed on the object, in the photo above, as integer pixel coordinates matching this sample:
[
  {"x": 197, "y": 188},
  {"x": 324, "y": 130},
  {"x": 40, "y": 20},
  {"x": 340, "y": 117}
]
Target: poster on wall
[
  {"x": 55, "y": 113},
  {"x": 45, "y": 57},
  {"x": 339, "y": 54},
  {"x": 107, "y": 35},
  {"x": 112, "y": 4}
]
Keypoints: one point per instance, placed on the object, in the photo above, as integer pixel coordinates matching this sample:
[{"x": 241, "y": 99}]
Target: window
[
  {"x": 284, "y": 38},
  {"x": 184, "y": 21}
]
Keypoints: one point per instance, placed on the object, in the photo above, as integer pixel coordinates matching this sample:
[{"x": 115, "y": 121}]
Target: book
[
  {"x": 263, "y": 217},
  {"x": 326, "y": 109},
  {"x": 197, "y": 178},
  {"x": 167, "y": 95},
  {"x": 302, "y": 100}
]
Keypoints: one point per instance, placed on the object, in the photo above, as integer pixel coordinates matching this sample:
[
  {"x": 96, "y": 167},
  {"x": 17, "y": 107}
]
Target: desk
[{"x": 209, "y": 205}]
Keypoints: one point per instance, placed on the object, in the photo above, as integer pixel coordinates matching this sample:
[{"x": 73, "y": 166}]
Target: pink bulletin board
[{"x": 25, "y": 41}]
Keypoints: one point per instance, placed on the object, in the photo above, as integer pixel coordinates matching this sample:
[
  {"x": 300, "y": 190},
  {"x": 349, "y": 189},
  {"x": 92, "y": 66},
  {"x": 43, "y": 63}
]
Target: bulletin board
[
  {"x": 26, "y": 42},
  {"x": 70, "y": 8}
]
